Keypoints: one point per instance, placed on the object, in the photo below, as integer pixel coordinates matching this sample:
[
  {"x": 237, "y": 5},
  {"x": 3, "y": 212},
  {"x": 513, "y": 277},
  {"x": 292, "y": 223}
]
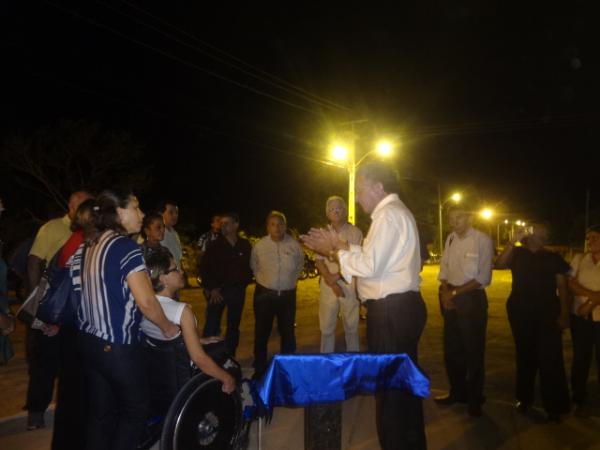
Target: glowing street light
[
  {"x": 456, "y": 197},
  {"x": 384, "y": 148},
  {"x": 486, "y": 213},
  {"x": 339, "y": 152},
  {"x": 346, "y": 155}
]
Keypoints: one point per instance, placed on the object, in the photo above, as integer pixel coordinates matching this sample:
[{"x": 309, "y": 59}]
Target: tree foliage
[{"x": 74, "y": 155}]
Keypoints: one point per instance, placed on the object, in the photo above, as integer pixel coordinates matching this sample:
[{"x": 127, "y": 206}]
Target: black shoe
[
  {"x": 35, "y": 420},
  {"x": 475, "y": 410},
  {"x": 522, "y": 407},
  {"x": 447, "y": 400}
]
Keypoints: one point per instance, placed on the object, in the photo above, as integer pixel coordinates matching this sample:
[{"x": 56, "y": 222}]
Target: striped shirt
[{"x": 107, "y": 308}]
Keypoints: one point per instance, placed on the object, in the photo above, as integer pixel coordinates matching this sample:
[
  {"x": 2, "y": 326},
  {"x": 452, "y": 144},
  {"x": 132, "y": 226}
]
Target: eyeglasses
[{"x": 174, "y": 269}]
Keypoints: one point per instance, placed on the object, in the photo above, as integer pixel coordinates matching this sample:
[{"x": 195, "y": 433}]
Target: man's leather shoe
[
  {"x": 447, "y": 400},
  {"x": 522, "y": 407}
]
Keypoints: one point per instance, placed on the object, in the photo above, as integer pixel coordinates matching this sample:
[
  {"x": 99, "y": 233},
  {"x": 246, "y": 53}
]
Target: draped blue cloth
[{"x": 300, "y": 380}]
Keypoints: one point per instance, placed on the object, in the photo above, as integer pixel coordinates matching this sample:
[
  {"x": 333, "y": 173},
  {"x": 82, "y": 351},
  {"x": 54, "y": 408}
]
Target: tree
[{"x": 74, "y": 155}]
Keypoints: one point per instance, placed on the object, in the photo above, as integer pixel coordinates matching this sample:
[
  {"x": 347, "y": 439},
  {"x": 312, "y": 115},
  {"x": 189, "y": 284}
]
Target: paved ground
[{"x": 447, "y": 428}]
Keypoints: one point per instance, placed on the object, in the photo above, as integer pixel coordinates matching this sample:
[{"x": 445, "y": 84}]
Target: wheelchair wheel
[{"x": 202, "y": 417}]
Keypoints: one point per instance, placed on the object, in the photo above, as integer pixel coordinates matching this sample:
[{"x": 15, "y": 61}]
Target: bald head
[{"x": 75, "y": 200}]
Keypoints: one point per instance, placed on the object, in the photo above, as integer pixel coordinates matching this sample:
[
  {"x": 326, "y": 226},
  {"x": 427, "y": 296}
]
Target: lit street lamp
[
  {"x": 347, "y": 154},
  {"x": 456, "y": 197}
]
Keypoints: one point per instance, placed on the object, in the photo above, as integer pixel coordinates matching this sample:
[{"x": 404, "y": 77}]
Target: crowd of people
[{"x": 126, "y": 270}]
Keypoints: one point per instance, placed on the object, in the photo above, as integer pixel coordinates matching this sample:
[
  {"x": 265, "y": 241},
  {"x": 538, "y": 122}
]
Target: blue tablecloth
[{"x": 300, "y": 380}]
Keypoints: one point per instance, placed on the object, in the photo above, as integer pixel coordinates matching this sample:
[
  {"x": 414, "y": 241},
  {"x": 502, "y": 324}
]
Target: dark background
[{"x": 496, "y": 99}]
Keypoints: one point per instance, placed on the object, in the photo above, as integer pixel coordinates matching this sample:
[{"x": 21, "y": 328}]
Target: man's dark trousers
[
  {"x": 43, "y": 355},
  {"x": 269, "y": 304},
  {"x": 538, "y": 347},
  {"x": 464, "y": 346},
  {"x": 394, "y": 325},
  {"x": 233, "y": 299},
  {"x": 586, "y": 345}
]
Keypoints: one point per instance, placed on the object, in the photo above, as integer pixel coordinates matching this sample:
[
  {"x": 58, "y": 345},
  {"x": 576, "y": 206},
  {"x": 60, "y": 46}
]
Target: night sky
[{"x": 235, "y": 106}]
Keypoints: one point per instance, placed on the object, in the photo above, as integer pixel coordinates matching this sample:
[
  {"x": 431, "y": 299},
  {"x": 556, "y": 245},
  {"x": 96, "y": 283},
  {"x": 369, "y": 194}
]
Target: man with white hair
[{"x": 336, "y": 296}]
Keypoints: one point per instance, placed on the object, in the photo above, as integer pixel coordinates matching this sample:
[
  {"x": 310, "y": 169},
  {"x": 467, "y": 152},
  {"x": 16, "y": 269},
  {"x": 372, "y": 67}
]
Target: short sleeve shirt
[
  {"x": 534, "y": 274},
  {"x": 107, "y": 308},
  {"x": 51, "y": 237},
  {"x": 587, "y": 273}
]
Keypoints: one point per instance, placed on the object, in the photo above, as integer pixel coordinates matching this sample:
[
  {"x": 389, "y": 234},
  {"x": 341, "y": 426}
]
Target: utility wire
[
  {"x": 279, "y": 82},
  {"x": 202, "y": 127},
  {"x": 180, "y": 60},
  {"x": 498, "y": 126}
]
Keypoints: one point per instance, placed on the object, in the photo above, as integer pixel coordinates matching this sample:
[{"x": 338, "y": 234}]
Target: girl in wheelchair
[{"x": 168, "y": 361}]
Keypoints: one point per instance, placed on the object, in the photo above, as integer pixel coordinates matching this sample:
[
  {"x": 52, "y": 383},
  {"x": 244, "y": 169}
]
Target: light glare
[
  {"x": 384, "y": 148},
  {"x": 456, "y": 197},
  {"x": 340, "y": 152},
  {"x": 486, "y": 213}
]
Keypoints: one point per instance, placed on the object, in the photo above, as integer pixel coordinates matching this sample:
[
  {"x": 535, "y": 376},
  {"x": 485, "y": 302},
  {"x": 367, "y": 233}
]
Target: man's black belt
[
  {"x": 273, "y": 291},
  {"x": 372, "y": 300}
]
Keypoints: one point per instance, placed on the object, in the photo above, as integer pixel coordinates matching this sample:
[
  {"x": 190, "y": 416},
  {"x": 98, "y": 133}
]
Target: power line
[
  {"x": 280, "y": 83},
  {"x": 180, "y": 60},
  {"x": 497, "y": 126},
  {"x": 202, "y": 127}
]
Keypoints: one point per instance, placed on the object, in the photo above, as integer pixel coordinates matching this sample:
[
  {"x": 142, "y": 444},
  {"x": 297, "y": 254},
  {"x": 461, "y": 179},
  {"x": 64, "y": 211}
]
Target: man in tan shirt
[{"x": 43, "y": 351}]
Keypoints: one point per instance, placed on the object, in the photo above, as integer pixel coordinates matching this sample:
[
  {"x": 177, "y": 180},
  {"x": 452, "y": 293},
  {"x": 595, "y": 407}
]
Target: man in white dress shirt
[
  {"x": 387, "y": 267},
  {"x": 276, "y": 261},
  {"x": 465, "y": 271}
]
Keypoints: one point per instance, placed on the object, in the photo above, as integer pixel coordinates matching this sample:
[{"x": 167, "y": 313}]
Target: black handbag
[{"x": 59, "y": 304}]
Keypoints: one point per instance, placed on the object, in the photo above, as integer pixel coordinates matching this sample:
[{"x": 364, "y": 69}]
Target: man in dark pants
[
  {"x": 225, "y": 272},
  {"x": 465, "y": 270},
  {"x": 387, "y": 268},
  {"x": 43, "y": 350},
  {"x": 277, "y": 260},
  {"x": 537, "y": 316}
]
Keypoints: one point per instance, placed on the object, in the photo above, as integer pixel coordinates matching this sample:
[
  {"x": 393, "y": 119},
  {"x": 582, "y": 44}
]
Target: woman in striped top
[{"x": 115, "y": 292}]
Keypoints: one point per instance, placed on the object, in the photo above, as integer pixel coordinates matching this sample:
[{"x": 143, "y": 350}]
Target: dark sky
[{"x": 497, "y": 98}]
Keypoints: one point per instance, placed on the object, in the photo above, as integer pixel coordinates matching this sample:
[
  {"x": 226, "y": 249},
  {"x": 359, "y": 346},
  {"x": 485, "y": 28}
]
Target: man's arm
[
  {"x": 370, "y": 259},
  {"x": 331, "y": 279},
  {"x": 7, "y": 323},
  {"x": 207, "y": 268},
  {"x": 503, "y": 261},
  {"x": 35, "y": 267},
  {"x": 564, "y": 296}
]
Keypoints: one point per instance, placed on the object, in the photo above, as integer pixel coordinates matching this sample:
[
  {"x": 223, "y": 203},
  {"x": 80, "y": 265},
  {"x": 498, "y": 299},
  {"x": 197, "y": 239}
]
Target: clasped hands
[{"x": 324, "y": 241}]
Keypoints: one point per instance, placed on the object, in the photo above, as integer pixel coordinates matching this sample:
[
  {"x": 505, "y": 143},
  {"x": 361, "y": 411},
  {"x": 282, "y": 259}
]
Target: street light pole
[
  {"x": 441, "y": 234},
  {"x": 351, "y": 179},
  {"x": 498, "y": 235}
]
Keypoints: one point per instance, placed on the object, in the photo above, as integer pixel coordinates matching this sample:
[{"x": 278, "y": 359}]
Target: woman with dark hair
[
  {"x": 153, "y": 232},
  {"x": 110, "y": 275},
  {"x": 168, "y": 372},
  {"x": 585, "y": 317}
]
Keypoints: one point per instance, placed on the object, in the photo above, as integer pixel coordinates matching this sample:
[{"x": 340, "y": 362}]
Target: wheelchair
[{"x": 189, "y": 410}]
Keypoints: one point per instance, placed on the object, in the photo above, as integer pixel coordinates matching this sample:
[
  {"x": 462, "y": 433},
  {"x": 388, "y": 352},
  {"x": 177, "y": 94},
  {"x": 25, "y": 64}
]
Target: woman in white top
[
  {"x": 585, "y": 320},
  {"x": 167, "y": 279}
]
